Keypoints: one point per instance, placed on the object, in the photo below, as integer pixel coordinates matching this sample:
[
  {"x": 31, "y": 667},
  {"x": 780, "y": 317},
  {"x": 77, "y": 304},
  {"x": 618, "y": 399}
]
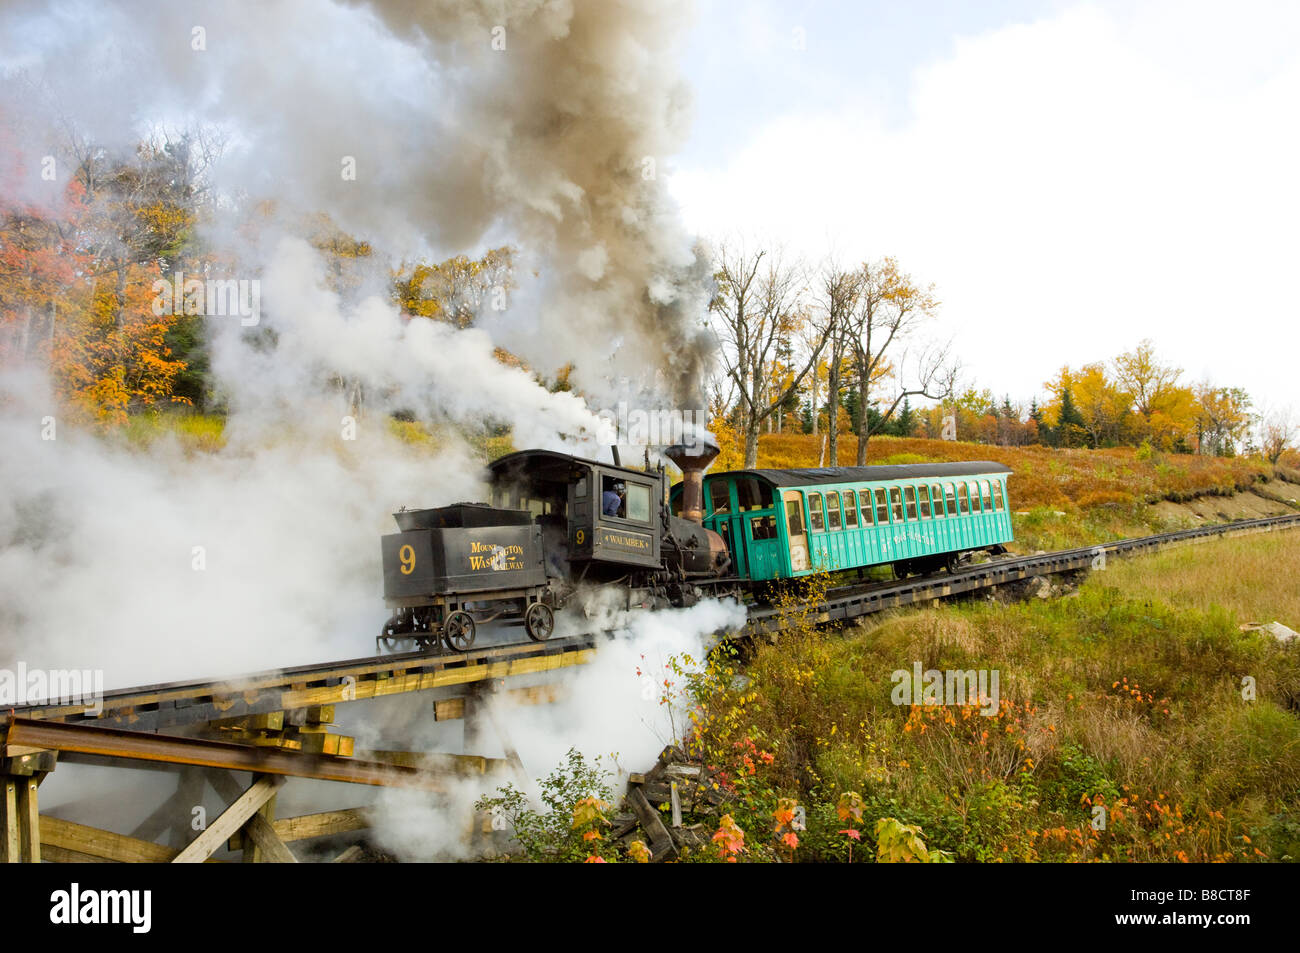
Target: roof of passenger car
[{"x": 819, "y": 476}]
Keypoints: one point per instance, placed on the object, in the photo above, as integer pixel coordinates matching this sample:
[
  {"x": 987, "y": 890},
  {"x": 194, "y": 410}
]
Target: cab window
[
  {"x": 637, "y": 504},
  {"x": 753, "y": 495},
  {"x": 720, "y": 496},
  {"x": 815, "y": 512},
  {"x": 762, "y": 527}
]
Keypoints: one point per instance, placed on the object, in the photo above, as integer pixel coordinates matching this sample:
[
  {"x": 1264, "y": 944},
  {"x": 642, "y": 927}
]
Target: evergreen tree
[
  {"x": 1071, "y": 429},
  {"x": 1044, "y": 431},
  {"x": 905, "y": 422}
]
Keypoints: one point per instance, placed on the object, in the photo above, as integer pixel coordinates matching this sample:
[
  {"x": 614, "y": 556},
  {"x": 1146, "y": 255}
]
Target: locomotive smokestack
[{"x": 693, "y": 460}]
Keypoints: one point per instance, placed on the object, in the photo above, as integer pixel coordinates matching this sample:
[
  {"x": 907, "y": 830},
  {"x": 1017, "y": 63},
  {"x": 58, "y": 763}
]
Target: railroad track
[{"x": 152, "y": 708}]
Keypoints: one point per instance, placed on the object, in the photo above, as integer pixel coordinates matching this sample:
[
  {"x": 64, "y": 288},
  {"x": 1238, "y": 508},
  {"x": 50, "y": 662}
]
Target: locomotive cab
[{"x": 605, "y": 518}]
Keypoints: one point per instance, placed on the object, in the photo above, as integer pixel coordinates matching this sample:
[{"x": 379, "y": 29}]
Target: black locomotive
[{"x": 556, "y": 525}]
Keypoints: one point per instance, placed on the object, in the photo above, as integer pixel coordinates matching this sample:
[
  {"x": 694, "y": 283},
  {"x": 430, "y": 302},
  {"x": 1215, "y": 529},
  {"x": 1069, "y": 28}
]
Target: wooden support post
[
  {"x": 253, "y": 846},
  {"x": 231, "y": 820},
  {"x": 10, "y": 852},
  {"x": 269, "y": 846},
  {"x": 20, "y": 819},
  {"x": 29, "y": 818}
]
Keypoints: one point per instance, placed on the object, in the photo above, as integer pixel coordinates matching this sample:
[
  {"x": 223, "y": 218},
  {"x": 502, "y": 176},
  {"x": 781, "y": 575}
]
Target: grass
[
  {"x": 1128, "y": 697},
  {"x": 195, "y": 432},
  {"x": 1252, "y": 578}
]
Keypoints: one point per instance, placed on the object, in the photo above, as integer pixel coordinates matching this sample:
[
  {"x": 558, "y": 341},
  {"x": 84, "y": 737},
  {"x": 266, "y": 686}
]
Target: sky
[{"x": 1072, "y": 177}]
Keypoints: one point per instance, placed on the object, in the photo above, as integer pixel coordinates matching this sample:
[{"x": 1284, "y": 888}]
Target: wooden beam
[
  {"x": 661, "y": 842},
  {"x": 451, "y": 709},
  {"x": 349, "y": 856},
  {"x": 270, "y": 849},
  {"x": 307, "y": 826},
  {"x": 253, "y": 853},
  {"x": 231, "y": 820},
  {"x": 61, "y": 855},
  {"x": 69, "y": 836}
]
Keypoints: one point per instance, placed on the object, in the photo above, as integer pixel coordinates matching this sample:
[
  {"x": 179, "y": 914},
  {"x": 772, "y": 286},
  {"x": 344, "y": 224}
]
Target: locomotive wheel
[
  {"x": 539, "y": 620},
  {"x": 458, "y": 630}
]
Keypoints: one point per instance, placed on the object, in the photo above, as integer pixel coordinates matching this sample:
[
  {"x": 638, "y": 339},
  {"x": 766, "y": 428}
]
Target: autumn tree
[
  {"x": 1277, "y": 434},
  {"x": 456, "y": 290},
  {"x": 1223, "y": 418},
  {"x": 891, "y": 308},
  {"x": 758, "y": 303},
  {"x": 834, "y": 306}
]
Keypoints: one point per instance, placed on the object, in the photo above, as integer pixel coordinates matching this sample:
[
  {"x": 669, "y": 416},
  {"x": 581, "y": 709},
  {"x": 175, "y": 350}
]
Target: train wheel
[
  {"x": 539, "y": 620},
  {"x": 458, "y": 630}
]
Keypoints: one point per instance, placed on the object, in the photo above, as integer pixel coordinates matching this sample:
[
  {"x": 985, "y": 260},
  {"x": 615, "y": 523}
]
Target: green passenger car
[{"x": 918, "y": 517}]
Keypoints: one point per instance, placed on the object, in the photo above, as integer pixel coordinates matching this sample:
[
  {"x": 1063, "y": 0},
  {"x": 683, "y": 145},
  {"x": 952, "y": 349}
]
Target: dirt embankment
[{"x": 1274, "y": 498}]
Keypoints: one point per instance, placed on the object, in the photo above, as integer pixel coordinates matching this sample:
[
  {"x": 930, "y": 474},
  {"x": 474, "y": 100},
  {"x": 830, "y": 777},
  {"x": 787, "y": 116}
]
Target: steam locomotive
[{"x": 555, "y": 524}]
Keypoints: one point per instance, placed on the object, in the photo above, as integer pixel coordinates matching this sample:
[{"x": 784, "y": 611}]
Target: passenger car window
[
  {"x": 815, "y": 512},
  {"x": 988, "y": 497},
  {"x": 997, "y": 495},
  {"x": 882, "y": 509},
  {"x": 896, "y": 504},
  {"x": 850, "y": 509},
  {"x": 924, "y": 493},
  {"x": 936, "y": 494},
  {"x": 909, "y": 494},
  {"x": 963, "y": 504},
  {"x": 832, "y": 511}
]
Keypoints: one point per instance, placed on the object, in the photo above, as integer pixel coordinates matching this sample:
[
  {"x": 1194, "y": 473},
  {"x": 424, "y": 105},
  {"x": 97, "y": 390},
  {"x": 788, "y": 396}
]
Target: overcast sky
[{"x": 1073, "y": 177}]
